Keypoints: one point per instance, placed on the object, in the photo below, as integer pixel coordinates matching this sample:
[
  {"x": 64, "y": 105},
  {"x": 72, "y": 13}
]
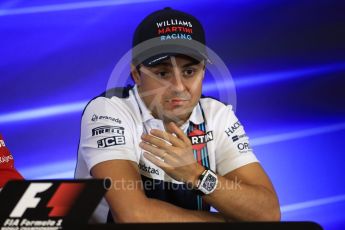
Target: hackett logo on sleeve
[{"x": 233, "y": 128}]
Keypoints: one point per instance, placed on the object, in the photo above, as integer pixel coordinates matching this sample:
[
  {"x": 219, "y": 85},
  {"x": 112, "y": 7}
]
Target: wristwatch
[{"x": 207, "y": 182}]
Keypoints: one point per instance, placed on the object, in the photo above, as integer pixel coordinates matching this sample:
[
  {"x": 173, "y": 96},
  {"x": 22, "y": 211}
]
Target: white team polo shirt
[{"x": 112, "y": 126}]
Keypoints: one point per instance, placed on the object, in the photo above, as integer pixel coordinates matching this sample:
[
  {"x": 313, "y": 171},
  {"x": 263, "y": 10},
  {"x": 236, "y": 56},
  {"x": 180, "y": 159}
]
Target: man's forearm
[
  {"x": 159, "y": 211},
  {"x": 240, "y": 201}
]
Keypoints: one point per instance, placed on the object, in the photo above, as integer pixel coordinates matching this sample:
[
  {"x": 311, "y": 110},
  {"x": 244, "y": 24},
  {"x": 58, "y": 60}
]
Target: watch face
[{"x": 210, "y": 182}]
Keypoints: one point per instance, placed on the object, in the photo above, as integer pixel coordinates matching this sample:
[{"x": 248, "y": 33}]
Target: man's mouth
[{"x": 177, "y": 101}]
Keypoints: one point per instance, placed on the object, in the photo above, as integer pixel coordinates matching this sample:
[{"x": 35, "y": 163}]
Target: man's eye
[
  {"x": 162, "y": 74},
  {"x": 189, "y": 72}
]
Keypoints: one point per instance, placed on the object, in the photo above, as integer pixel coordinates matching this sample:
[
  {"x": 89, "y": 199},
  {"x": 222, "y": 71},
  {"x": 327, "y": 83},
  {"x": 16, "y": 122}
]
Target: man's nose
[{"x": 177, "y": 82}]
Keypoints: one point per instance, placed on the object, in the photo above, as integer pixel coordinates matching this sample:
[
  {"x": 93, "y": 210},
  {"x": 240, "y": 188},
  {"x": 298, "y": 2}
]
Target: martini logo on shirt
[
  {"x": 202, "y": 139},
  {"x": 199, "y": 138}
]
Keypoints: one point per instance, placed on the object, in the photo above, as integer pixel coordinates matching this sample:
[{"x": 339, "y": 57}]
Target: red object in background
[{"x": 7, "y": 170}]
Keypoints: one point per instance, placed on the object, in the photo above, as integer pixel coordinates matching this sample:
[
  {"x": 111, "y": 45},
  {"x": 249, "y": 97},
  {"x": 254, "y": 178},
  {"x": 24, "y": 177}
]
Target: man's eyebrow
[{"x": 191, "y": 63}]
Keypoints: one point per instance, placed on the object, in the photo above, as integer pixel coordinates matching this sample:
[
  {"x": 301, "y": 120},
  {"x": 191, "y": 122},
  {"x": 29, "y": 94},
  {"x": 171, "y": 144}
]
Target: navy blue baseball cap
[{"x": 165, "y": 33}]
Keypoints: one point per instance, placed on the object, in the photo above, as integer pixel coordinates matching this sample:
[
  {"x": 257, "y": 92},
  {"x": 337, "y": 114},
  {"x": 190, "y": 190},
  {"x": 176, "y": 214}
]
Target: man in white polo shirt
[{"x": 171, "y": 153}]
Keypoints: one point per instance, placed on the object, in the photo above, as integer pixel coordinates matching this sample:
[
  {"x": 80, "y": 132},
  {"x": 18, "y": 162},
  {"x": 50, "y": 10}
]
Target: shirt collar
[{"x": 196, "y": 117}]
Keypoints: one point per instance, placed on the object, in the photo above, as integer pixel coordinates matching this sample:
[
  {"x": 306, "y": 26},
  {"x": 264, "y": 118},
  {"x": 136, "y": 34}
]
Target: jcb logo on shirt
[{"x": 111, "y": 141}]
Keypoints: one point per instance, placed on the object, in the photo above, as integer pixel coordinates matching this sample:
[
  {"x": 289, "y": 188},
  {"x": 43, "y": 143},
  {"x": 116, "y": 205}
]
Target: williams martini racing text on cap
[{"x": 165, "y": 33}]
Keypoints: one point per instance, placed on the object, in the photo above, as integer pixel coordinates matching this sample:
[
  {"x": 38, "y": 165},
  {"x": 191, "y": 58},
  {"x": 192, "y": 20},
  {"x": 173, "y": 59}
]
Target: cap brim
[
  {"x": 159, "y": 58},
  {"x": 154, "y": 51}
]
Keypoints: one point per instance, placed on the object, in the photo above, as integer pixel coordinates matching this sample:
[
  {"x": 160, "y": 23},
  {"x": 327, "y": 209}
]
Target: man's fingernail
[{"x": 152, "y": 131}]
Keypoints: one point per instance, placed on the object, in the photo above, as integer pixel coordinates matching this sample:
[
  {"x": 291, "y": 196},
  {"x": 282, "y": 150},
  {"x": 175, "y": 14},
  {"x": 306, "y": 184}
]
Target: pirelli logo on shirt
[
  {"x": 108, "y": 129},
  {"x": 118, "y": 137}
]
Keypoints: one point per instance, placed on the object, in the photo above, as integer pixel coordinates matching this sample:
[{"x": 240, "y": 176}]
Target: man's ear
[{"x": 135, "y": 75}]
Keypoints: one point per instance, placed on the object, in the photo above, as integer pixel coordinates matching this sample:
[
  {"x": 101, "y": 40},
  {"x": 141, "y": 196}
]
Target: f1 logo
[
  {"x": 60, "y": 203},
  {"x": 29, "y": 199}
]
